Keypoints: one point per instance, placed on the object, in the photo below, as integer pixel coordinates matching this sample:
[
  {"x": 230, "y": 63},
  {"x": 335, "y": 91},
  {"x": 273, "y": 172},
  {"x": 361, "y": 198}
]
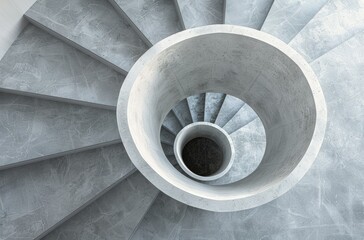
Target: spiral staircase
[{"x": 65, "y": 173}]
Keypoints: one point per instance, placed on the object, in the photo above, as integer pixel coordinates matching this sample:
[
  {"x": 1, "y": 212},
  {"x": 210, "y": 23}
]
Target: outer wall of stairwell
[{"x": 286, "y": 122}]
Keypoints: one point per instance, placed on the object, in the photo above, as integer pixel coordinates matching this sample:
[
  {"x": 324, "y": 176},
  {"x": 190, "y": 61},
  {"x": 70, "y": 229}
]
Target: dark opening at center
[{"x": 202, "y": 156}]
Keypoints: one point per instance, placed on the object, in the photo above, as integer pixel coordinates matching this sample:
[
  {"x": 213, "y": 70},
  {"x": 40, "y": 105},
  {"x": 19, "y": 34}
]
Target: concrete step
[
  {"x": 38, "y": 197},
  {"x": 286, "y": 18},
  {"x": 153, "y": 20},
  {"x": 197, "y": 13},
  {"x": 92, "y": 26},
  {"x": 335, "y": 23},
  {"x": 34, "y": 129},
  {"x": 172, "y": 159},
  {"x": 167, "y": 137},
  {"x": 213, "y": 104},
  {"x": 249, "y": 144},
  {"x": 38, "y": 64},
  {"x": 247, "y": 13},
  {"x": 244, "y": 116},
  {"x": 172, "y": 124},
  {"x": 160, "y": 221},
  {"x": 113, "y": 216},
  {"x": 196, "y": 104},
  {"x": 168, "y": 149},
  {"x": 182, "y": 112},
  {"x": 228, "y": 109}
]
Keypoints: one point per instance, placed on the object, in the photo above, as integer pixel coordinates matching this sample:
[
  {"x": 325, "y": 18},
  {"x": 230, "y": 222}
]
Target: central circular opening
[{"x": 202, "y": 156}]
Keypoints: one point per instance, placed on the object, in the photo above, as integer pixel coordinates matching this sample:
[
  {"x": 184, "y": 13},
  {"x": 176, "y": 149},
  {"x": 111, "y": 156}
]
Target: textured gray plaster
[
  {"x": 213, "y": 103},
  {"x": 154, "y": 20},
  {"x": 244, "y": 116},
  {"x": 93, "y": 26},
  {"x": 197, "y": 13},
  {"x": 171, "y": 123},
  {"x": 36, "y": 197},
  {"x": 196, "y": 104},
  {"x": 34, "y": 129},
  {"x": 286, "y": 18},
  {"x": 336, "y": 22},
  {"x": 250, "y": 13},
  {"x": 114, "y": 216},
  {"x": 41, "y": 65},
  {"x": 228, "y": 109},
  {"x": 182, "y": 112}
]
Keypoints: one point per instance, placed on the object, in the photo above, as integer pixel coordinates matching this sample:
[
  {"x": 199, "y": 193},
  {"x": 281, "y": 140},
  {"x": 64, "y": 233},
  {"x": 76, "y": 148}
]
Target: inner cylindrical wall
[{"x": 213, "y": 132}]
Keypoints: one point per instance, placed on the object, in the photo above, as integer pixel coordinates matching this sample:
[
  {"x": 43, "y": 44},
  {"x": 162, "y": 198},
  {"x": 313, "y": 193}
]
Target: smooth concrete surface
[
  {"x": 247, "y": 13},
  {"x": 335, "y": 23},
  {"x": 12, "y": 21},
  {"x": 196, "y": 13},
  {"x": 114, "y": 216},
  {"x": 286, "y": 18},
  {"x": 153, "y": 20},
  {"x": 38, "y": 197},
  {"x": 34, "y": 129},
  {"x": 210, "y": 131},
  {"x": 213, "y": 103},
  {"x": 38, "y": 64},
  {"x": 285, "y": 95},
  {"x": 93, "y": 26}
]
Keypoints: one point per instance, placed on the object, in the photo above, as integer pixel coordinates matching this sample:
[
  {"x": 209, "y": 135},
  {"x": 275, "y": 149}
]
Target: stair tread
[
  {"x": 182, "y": 112},
  {"x": 249, "y": 144},
  {"x": 165, "y": 213},
  {"x": 171, "y": 123},
  {"x": 196, "y": 104},
  {"x": 37, "y": 197},
  {"x": 335, "y": 23},
  {"x": 41, "y": 65},
  {"x": 197, "y": 13},
  {"x": 247, "y": 13},
  {"x": 93, "y": 26},
  {"x": 34, "y": 129},
  {"x": 167, "y": 149},
  {"x": 213, "y": 104},
  {"x": 167, "y": 137},
  {"x": 228, "y": 109},
  {"x": 114, "y": 215},
  {"x": 244, "y": 116},
  {"x": 155, "y": 19},
  {"x": 286, "y": 18},
  {"x": 172, "y": 159}
]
